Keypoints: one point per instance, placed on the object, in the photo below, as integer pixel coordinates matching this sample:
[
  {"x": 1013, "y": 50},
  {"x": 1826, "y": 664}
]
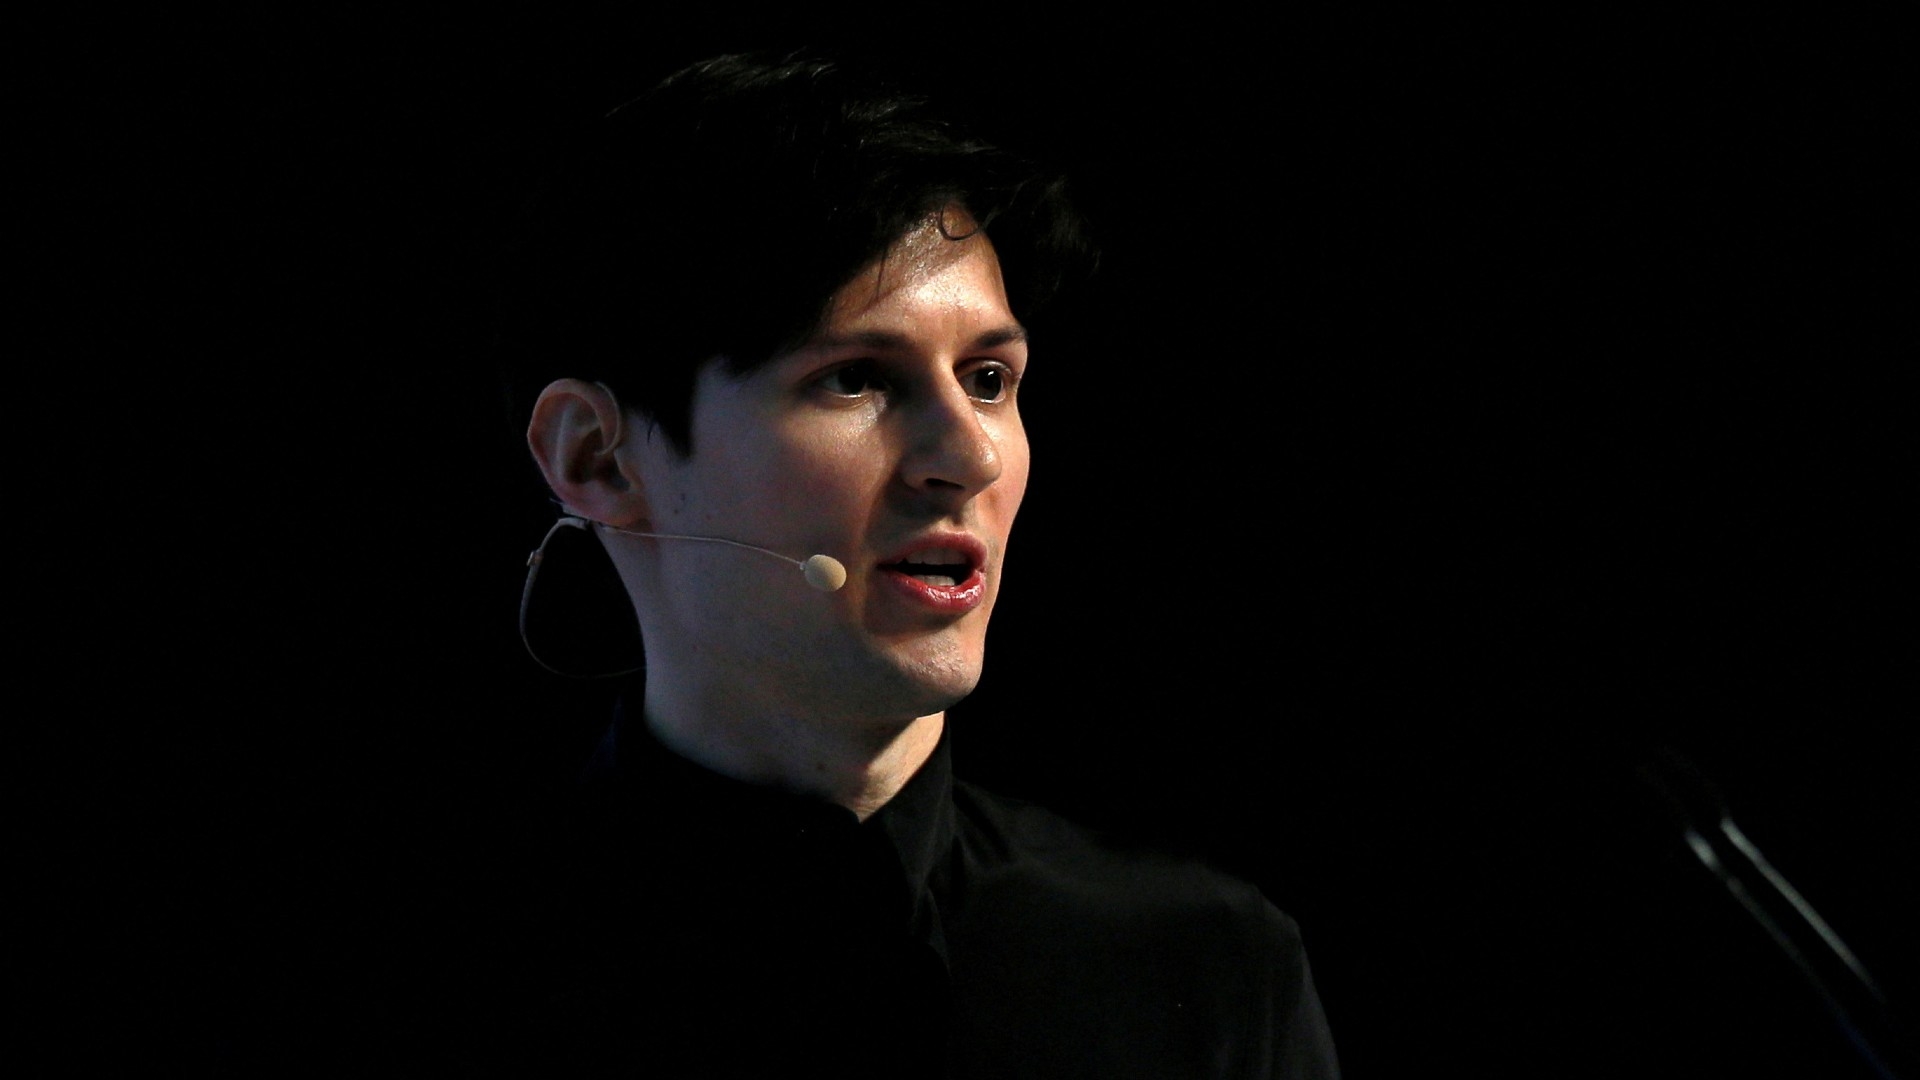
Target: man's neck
[{"x": 858, "y": 765}]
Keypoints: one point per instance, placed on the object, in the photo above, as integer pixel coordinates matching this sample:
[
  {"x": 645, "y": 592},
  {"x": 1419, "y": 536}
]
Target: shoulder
[
  {"x": 1196, "y": 960},
  {"x": 1027, "y": 863},
  {"x": 1021, "y": 845}
]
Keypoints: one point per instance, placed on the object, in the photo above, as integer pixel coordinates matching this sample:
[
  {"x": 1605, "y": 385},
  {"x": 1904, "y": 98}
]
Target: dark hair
[{"x": 717, "y": 214}]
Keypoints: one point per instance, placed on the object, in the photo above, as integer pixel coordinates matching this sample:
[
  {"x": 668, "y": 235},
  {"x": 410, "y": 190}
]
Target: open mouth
[{"x": 938, "y": 566}]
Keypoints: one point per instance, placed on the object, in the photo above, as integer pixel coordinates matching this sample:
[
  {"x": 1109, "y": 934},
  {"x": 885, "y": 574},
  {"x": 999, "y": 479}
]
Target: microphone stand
[{"x": 1838, "y": 979}]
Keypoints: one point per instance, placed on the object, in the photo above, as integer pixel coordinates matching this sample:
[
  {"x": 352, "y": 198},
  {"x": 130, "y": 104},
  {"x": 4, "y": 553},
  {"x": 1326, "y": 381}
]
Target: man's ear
[{"x": 576, "y": 436}]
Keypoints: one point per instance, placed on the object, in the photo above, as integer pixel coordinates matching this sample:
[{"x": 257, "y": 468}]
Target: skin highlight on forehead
[{"x": 933, "y": 246}]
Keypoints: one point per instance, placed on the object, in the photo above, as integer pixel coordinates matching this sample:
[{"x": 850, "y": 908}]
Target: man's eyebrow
[{"x": 897, "y": 342}]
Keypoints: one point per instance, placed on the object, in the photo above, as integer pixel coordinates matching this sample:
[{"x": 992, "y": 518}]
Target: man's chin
[
  {"x": 929, "y": 695},
  {"x": 935, "y": 681}
]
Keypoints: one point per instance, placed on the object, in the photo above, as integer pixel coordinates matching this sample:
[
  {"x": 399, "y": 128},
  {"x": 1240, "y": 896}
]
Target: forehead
[{"x": 946, "y": 262}]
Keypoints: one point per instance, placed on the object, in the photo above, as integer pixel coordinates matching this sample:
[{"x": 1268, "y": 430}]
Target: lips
[{"x": 940, "y": 574}]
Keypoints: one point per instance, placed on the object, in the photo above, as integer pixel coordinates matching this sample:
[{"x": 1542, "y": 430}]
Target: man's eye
[
  {"x": 989, "y": 383},
  {"x": 852, "y": 380}
]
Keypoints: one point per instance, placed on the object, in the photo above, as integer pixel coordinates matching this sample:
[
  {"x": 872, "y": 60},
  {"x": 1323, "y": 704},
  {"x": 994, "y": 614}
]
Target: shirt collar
[{"x": 632, "y": 772}]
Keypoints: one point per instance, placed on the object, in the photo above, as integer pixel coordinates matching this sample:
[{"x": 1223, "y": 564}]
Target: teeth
[{"x": 937, "y": 557}]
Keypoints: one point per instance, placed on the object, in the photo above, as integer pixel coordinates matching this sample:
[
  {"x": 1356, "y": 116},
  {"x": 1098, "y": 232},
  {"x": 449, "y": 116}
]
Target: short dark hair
[{"x": 716, "y": 215}]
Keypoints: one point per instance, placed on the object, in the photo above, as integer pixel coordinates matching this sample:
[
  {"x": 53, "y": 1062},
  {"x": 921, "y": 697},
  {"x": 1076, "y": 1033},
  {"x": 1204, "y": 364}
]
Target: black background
[{"x": 1467, "y": 409}]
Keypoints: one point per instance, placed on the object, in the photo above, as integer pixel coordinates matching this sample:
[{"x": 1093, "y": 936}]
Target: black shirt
[{"x": 711, "y": 928}]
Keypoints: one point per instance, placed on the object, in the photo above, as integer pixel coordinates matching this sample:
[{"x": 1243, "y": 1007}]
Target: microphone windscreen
[{"x": 824, "y": 572}]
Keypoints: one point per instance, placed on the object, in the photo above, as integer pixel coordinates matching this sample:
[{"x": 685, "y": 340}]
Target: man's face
[{"x": 891, "y": 441}]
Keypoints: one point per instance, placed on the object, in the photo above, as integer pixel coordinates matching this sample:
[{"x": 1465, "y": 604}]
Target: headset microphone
[{"x": 823, "y": 572}]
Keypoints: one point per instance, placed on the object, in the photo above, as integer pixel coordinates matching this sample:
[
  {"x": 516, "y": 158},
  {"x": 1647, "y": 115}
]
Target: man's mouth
[
  {"x": 945, "y": 575},
  {"x": 935, "y": 566}
]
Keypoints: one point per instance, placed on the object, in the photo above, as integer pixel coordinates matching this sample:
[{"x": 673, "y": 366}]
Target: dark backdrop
[{"x": 1467, "y": 412}]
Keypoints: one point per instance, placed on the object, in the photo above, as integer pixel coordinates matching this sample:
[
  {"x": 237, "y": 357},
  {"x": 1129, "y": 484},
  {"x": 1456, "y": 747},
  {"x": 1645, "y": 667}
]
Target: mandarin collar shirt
[{"x": 730, "y": 930}]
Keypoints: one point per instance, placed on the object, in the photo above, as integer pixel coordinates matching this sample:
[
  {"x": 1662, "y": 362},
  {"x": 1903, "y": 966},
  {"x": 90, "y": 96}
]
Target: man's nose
[{"x": 953, "y": 450}]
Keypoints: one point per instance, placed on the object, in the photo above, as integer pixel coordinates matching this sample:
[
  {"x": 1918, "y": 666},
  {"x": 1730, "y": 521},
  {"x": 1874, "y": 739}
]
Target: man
[{"x": 787, "y": 309}]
